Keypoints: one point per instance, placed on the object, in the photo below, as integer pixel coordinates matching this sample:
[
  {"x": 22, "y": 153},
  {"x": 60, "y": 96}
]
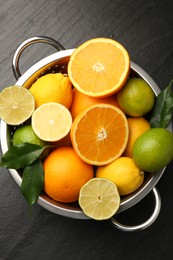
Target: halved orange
[
  {"x": 99, "y": 67},
  {"x": 99, "y": 134}
]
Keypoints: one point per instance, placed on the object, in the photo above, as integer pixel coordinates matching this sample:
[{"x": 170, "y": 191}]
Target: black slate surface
[{"x": 145, "y": 28}]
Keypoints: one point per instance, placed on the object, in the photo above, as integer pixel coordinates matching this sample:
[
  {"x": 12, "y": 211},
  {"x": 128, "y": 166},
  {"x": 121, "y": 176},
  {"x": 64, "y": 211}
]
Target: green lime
[
  {"x": 136, "y": 98},
  {"x": 25, "y": 134},
  {"x": 153, "y": 150},
  {"x": 99, "y": 198}
]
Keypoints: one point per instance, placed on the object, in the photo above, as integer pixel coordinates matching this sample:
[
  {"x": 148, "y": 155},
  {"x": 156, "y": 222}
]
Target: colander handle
[
  {"x": 25, "y": 44},
  {"x": 146, "y": 223}
]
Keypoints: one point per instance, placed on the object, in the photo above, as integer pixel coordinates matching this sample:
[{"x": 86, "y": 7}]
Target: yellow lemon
[
  {"x": 124, "y": 173},
  {"x": 51, "y": 122},
  {"x": 52, "y": 88}
]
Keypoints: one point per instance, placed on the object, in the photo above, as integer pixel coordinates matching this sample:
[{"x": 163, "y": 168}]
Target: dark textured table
[{"x": 145, "y": 28}]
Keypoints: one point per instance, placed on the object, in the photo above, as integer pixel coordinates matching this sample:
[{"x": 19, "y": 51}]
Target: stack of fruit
[{"x": 88, "y": 136}]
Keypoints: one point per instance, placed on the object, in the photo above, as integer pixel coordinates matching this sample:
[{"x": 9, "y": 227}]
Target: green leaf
[
  {"x": 32, "y": 182},
  {"x": 21, "y": 155},
  {"x": 162, "y": 112}
]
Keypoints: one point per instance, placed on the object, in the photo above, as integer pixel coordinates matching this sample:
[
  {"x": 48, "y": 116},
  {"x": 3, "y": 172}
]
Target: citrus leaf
[
  {"x": 21, "y": 155},
  {"x": 32, "y": 182},
  {"x": 162, "y": 112}
]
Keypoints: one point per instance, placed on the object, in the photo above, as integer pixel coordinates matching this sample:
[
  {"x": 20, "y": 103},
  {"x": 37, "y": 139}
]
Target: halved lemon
[{"x": 51, "y": 121}]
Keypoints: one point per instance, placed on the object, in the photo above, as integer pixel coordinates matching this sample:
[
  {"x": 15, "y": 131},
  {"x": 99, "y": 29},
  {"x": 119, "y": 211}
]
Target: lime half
[
  {"x": 99, "y": 198},
  {"x": 16, "y": 105}
]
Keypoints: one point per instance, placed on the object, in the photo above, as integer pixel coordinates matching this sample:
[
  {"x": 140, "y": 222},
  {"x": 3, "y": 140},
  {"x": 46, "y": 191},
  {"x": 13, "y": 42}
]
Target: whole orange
[
  {"x": 81, "y": 101},
  {"x": 65, "y": 174},
  {"x": 137, "y": 126}
]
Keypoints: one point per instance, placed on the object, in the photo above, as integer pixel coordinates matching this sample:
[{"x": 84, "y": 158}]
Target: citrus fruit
[
  {"x": 51, "y": 121},
  {"x": 153, "y": 150},
  {"x": 124, "y": 173},
  {"x": 25, "y": 134},
  {"x": 137, "y": 126},
  {"x": 136, "y": 98},
  {"x": 52, "y": 88},
  {"x": 99, "y": 199},
  {"x": 17, "y": 105},
  {"x": 99, "y": 134},
  {"x": 99, "y": 67},
  {"x": 82, "y": 101},
  {"x": 65, "y": 174}
]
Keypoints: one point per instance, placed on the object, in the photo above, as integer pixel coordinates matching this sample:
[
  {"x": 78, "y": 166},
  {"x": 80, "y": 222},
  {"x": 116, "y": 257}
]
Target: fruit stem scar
[
  {"x": 102, "y": 134},
  {"x": 98, "y": 67}
]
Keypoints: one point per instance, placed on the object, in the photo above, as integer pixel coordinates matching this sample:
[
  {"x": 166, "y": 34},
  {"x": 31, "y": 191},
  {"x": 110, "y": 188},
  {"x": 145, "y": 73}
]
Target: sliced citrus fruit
[
  {"x": 99, "y": 198},
  {"x": 51, "y": 121},
  {"x": 99, "y": 67},
  {"x": 17, "y": 105},
  {"x": 99, "y": 134}
]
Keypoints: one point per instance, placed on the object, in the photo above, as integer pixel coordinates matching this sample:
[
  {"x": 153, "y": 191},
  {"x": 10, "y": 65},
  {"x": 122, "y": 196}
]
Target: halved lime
[
  {"x": 16, "y": 105},
  {"x": 99, "y": 198}
]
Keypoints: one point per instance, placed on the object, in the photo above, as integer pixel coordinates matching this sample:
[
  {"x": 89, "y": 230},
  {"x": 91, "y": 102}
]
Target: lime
[
  {"x": 136, "y": 98},
  {"x": 124, "y": 173},
  {"x": 153, "y": 150},
  {"x": 17, "y": 105},
  {"x": 99, "y": 198},
  {"x": 25, "y": 134}
]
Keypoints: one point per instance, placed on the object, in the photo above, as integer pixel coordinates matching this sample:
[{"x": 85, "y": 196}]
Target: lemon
[
  {"x": 16, "y": 105},
  {"x": 153, "y": 150},
  {"x": 52, "y": 88},
  {"x": 25, "y": 134},
  {"x": 51, "y": 121},
  {"x": 136, "y": 98},
  {"x": 99, "y": 199},
  {"x": 124, "y": 173}
]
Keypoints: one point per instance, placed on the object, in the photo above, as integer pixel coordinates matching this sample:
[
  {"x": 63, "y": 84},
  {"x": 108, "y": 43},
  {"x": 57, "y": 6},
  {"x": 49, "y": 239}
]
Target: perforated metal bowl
[{"x": 57, "y": 62}]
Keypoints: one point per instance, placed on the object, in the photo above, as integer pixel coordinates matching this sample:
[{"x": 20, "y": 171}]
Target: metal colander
[{"x": 57, "y": 62}]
